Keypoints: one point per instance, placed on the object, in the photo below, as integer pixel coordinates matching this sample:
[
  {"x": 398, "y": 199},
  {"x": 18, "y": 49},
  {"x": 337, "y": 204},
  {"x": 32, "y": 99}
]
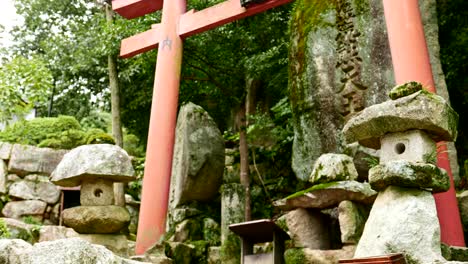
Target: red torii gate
[{"x": 177, "y": 24}]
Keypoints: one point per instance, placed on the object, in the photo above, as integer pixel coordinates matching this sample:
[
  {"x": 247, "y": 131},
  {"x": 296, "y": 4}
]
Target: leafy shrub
[
  {"x": 133, "y": 146},
  {"x": 97, "y": 119},
  {"x": 63, "y": 132},
  {"x": 33, "y": 132}
]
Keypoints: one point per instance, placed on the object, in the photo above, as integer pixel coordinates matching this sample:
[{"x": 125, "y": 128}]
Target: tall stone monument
[{"x": 340, "y": 63}]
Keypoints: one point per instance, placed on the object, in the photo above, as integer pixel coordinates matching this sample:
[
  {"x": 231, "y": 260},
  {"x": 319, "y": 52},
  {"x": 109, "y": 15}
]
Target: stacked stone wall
[{"x": 25, "y": 188}]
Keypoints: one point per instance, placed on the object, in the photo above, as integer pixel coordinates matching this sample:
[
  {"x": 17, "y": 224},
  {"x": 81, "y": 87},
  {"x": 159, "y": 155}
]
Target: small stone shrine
[
  {"x": 403, "y": 218},
  {"x": 95, "y": 168}
]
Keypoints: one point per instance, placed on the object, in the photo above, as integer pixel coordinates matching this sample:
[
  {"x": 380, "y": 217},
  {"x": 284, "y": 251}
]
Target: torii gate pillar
[{"x": 158, "y": 166}]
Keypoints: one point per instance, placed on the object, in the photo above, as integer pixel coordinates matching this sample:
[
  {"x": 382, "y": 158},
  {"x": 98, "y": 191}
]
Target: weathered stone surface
[
  {"x": 412, "y": 145},
  {"x": 404, "y": 90},
  {"x": 211, "y": 232},
  {"x": 3, "y": 177},
  {"x": 180, "y": 252},
  {"x": 197, "y": 168},
  {"x": 91, "y": 162},
  {"x": 402, "y": 220},
  {"x": 5, "y": 150},
  {"x": 314, "y": 256},
  {"x": 352, "y": 218},
  {"x": 409, "y": 174},
  {"x": 28, "y": 190},
  {"x": 13, "y": 177},
  {"x": 363, "y": 159},
  {"x": 327, "y": 195},
  {"x": 28, "y": 159},
  {"x": 320, "y": 88},
  {"x": 187, "y": 230},
  {"x": 232, "y": 211},
  {"x": 153, "y": 259},
  {"x": 114, "y": 242},
  {"x": 51, "y": 233},
  {"x": 214, "y": 256},
  {"x": 18, "y": 209},
  {"x": 421, "y": 110},
  {"x": 154, "y": 254},
  {"x": 179, "y": 214},
  {"x": 323, "y": 94},
  {"x": 97, "y": 192},
  {"x": 36, "y": 178},
  {"x": 55, "y": 214},
  {"x": 307, "y": 228},
  {"x": 64, "y": 251},
  {"x": 96, "y": 219},
  {"x": 12, "y": 249},
  {"x": 134, "y": 215},
  {"x": 332, "y": 167},
  {"x": 129, "y": 200}
]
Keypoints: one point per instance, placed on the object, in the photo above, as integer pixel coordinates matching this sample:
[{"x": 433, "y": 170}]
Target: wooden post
[
  {"x": 411, "y": 63},
  {"x": 156, "y": 182}
]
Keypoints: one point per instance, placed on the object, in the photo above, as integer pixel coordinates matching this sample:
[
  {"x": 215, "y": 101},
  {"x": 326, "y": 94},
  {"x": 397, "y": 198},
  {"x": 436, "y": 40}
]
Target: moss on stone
[
  {"x": 313, "y": 188},
  {"x": 294, "y": 256},
  {"x": 201, "y": 251},
  {"x": 230, "y": 250},
  {"x": 405, "y": 90}
]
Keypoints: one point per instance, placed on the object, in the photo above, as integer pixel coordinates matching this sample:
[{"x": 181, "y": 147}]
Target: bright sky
[{"x": 8, "y": 18}]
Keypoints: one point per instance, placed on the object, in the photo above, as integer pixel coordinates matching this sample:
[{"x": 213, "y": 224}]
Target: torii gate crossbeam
[{"x": 177, "y": 24}]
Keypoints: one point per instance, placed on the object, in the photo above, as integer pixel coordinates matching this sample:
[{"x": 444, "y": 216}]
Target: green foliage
[
  {"x": 97, "y": 119},
  {"x": 134, "y": 187},
  {"x": 371, "y": 161},
  {"x": 62, "y": 132},
  {"x": 453, "y": 38},
  {"x": 133, "y": 146},
  {"x": 294, "y": 256},
  {"x": 4, "y": 231},
  {"x": 24, "y": 83}
]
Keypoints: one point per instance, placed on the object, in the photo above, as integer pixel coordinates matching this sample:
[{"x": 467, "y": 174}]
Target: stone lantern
[
  {"x": 96, "y": 168},
  {"x": 404, "y": 217}
]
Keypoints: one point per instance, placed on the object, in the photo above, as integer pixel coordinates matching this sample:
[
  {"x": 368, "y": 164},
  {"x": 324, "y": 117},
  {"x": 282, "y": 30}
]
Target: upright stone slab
[
  {"x": 232, "y": 212},
  {"x": 340, "y": 64},
  {"x": 402, "y": 220},
  {"x": 28, "y": 159},
  {"x": 197, "y": 168}
]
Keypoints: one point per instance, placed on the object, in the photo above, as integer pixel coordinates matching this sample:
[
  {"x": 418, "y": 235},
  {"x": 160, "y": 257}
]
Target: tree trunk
[
  {"x": 51, "y": 101},
  {"x": 244, "y": 161},
  {"x": 119, "y": 188}
]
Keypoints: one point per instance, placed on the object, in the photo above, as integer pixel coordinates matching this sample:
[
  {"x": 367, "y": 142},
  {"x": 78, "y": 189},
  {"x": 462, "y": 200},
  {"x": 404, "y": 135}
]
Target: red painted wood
[
  {"x": 142, "y": 42},
  {"x": 194, "y": 22},
  {"x": 411, "y": 63},
  {"x": 161, "y": 136},
  {"x": 136, "y": 8}
]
